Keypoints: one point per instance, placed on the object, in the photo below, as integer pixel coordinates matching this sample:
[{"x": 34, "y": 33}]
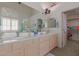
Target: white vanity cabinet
[{"x": 36, "y": 46}]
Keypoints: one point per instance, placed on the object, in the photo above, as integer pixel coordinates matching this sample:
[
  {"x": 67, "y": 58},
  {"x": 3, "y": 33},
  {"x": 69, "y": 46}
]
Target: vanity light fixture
[{"x": 47, "y": 11}]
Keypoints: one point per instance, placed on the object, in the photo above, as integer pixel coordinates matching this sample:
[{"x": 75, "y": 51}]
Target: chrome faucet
[{"x": 17, "y": 34}]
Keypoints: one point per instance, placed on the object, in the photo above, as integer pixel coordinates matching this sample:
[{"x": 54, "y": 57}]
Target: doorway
[{"x": 73, "y": 24}]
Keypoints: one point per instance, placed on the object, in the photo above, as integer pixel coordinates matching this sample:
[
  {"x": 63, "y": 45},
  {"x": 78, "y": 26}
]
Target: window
[
  {"x": 9, "y": 24},
  {"x": 14, "y": 24}
]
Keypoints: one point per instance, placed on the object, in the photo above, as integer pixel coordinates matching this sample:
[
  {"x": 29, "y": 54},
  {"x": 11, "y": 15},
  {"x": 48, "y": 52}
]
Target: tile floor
[{"x": 71, "y": 49}]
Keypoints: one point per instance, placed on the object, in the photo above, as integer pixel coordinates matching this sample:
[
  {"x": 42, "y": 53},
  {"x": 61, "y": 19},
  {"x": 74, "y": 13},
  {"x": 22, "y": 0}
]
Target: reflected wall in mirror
[{"x": 51, "y": 23}]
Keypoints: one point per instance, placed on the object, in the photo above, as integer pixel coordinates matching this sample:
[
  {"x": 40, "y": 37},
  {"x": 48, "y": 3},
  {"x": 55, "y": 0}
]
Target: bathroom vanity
[
  {"x": 29, "y": 46},
  {"x": 35, "y": 40}
]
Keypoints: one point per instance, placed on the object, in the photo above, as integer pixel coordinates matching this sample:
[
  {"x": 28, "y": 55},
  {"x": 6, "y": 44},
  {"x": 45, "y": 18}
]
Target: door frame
[{"x": 64, "y": 29}]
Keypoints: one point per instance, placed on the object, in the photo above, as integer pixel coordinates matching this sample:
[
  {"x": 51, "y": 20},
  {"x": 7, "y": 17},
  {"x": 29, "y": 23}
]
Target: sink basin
[
  {"x": 24, "y": 34},
  {"x": 9, "y": 41}
]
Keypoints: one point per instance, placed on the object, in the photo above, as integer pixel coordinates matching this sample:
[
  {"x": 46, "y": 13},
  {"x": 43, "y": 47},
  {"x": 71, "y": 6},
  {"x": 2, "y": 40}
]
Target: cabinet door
[
  {"x": 36, "y": 47},
  {"x": 53, "y": 42},
  {"x": 18, "y": 48},
  {"x": 29, "y": 48},
  {"x": 19, "y": 52},
  {"x": 44, "y": 46},
  {"x": 5, "y": 49},
  {"x": 26, "y": 47}
]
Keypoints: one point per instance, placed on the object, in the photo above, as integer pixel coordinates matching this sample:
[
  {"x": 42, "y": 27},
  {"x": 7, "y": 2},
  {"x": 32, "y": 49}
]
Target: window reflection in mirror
[
  {"x": 51, "y": 23},
  {"x": 9, "y": 24}
]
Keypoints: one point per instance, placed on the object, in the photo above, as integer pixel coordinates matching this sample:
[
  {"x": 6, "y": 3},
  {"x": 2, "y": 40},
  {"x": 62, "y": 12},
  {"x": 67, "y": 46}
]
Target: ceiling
[
  {"x": 40, "y": 6},
  {"x": 72, "y": 12}
]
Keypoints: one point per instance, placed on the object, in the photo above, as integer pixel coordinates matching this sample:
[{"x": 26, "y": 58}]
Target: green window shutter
[{"x": 21, "y": 27}]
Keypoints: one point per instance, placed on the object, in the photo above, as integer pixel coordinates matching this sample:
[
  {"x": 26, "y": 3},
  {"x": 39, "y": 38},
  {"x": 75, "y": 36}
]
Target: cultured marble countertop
[{"x": 21, "y": 38}]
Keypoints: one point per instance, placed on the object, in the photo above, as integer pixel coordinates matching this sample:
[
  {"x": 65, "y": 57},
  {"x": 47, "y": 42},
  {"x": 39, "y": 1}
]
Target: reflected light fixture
[{"x": 47, "y": 11}]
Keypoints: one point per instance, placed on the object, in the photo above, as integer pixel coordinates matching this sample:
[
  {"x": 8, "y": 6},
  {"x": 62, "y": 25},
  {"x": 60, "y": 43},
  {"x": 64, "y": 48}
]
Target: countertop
[{"x": 17, "y": 39}]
